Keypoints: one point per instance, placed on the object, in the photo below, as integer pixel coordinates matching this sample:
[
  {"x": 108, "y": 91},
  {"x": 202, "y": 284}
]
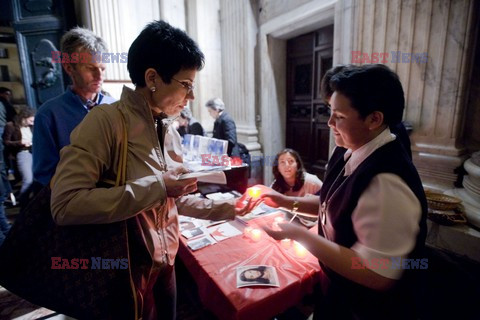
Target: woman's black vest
[{"x": 343, "y": 298}]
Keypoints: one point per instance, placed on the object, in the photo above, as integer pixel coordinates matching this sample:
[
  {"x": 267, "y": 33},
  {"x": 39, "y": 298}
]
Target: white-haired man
[{"x": 57, "y": 117}]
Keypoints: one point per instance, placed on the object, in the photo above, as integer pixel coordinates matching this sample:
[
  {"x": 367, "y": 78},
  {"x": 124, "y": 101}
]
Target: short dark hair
[
  {"x": 370, "y": 88},
  {"x": 280, "y": 184},
  {"x": 165, "y": 49},
  {"x": 325, "y": 88}
]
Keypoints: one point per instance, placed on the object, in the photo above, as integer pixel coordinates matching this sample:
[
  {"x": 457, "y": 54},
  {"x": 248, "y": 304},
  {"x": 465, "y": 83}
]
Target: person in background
[
  {"x": 372, "y": 205},
  {"x": 224, "y": 127},
  {"x": 18, "y": 143},
  {"x": 57, "y": 117},
  {"x": 188, "y": 124},
  {"x": 7, "y": 112},
  {"x": 291, "y": 178}
]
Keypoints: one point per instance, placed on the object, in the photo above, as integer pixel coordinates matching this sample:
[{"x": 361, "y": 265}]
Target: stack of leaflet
[
  {"x": 200, "y": 149},
  {"x": 201, "y": 233}
]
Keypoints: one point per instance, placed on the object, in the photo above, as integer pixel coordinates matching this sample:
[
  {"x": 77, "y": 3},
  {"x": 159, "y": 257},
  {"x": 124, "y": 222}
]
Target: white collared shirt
[{"x": 386, "y": 218}]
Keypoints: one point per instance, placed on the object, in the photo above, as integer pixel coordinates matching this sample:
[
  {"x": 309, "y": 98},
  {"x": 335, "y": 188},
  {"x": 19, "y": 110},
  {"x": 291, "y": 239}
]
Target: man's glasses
[{"x": 187, "y": 86}]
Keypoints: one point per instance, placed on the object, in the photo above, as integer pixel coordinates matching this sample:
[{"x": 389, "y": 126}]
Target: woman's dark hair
[
  {"x": 260, "y": 279},
  {"x": 186, "y": 114},
  {"x": 280, "y": 184},
  {"x": 325, "y": 88},
  {"x": 165, "y": 49},
  {"x": 372, "y": 88},
  {"x": 23, "y": 113}
]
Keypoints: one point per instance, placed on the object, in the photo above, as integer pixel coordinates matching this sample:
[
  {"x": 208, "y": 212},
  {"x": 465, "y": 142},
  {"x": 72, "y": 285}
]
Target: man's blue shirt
[{"x": 54, "y": 122}]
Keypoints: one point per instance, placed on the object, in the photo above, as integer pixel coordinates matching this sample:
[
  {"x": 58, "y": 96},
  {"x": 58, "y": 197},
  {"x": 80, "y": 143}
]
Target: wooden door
[
  {"x": 309, "y": 56},
  {"x": 39, "y": 25}
]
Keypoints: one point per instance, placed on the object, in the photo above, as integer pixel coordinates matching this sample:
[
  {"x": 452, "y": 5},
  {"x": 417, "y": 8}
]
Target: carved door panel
[
  {"x": 39, "y": 25},
  {"x": 308, "y": 58}
]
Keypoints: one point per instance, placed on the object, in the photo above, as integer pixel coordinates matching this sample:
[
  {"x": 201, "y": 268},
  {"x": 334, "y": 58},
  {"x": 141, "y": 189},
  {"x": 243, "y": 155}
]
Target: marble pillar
[
  {"x": 238, "y": 39},
  {"x": 435, "y": 87},
  {"x": 203, "y": 25},
  {"x": 118, "y": 28}
]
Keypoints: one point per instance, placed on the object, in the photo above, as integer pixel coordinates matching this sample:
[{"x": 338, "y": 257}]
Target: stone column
[
  {"x": 119, "y": 28},
  {"x": 470, "y": 193},
  {"x": 435, "y": 86},
  {"x": 203, "y": 25},
  {"x": 238, "y": 39}
]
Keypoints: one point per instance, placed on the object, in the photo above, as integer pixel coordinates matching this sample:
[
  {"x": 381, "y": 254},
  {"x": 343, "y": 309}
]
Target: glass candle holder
[
  {"x": 254, "y": 192},
  {"x": 300, "y": 250},
  {"x": 275, "y": 223},
  {"x": 256, "y": 235},
  {"x": 286, "y": 243}
]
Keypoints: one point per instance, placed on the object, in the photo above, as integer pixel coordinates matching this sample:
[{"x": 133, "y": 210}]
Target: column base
[{"x": 437, "y": 171}]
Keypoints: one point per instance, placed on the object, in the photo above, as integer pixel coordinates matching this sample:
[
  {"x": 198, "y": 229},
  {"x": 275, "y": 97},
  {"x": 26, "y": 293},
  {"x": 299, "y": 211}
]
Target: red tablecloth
[{"x": 214, "y": 270}]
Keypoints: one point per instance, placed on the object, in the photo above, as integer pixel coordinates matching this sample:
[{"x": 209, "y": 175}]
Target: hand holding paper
[{"x": 175, "y": 187}]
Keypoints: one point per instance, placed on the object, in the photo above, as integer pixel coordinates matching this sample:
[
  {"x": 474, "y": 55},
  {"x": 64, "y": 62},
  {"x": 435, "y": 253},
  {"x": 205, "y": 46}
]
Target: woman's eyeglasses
[{"x": 187, "y": 86}]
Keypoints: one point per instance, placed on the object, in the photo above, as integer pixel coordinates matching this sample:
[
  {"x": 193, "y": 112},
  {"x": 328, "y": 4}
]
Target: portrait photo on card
[
  {"x": 195, "y": 232},
  {"x": 201, "y": 242},
  {"x": 257, "y": 275}
]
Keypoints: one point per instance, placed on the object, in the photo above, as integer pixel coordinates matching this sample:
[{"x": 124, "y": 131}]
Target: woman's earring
[{"x": 153, "y": 89}]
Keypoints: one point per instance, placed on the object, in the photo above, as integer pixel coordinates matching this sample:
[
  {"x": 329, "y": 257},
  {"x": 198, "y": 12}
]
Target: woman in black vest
[{"x": 372, "y": 208}]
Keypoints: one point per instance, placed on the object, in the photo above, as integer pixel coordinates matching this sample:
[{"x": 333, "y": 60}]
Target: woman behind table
[
  {"x": 17, "y": 138},
  {"x": 371, "y": 208},
  {"x": 291, "y": 179},
  {"x": 162, "y": 62}
]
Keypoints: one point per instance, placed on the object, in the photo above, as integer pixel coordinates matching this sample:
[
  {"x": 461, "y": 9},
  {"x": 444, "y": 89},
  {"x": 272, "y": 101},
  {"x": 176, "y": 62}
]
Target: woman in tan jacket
[{"x": 162, "y": 62}]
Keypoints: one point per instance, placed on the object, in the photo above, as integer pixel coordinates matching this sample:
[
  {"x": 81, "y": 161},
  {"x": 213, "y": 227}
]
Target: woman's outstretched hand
[
  {"x": 242, "y": 208},
  {"x": 287, "y": 231}
]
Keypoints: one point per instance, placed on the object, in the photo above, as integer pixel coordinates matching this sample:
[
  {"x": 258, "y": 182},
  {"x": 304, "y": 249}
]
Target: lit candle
[
  {"x": 256, "y": 235},
  {"x": 300, "y": 250},
  {"x": 254, "y": 192},
  {"x": 286, "y": 243},
  {"x": 247, "y": 231},
  {"x": 277, "y": 220}
]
